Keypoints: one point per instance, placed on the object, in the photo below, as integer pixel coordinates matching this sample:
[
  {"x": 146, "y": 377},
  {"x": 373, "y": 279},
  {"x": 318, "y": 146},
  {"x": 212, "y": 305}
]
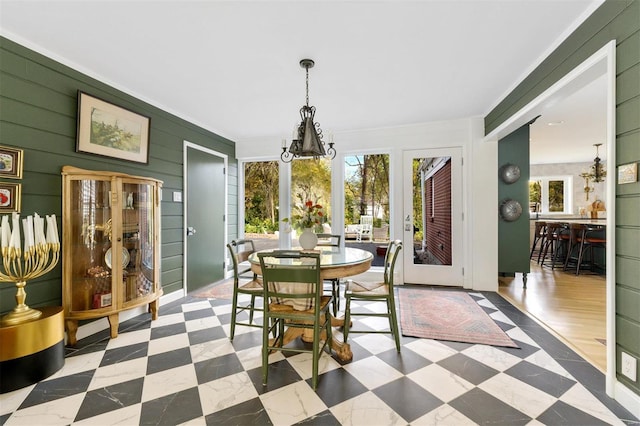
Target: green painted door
[{"x": 205, "y": 200}]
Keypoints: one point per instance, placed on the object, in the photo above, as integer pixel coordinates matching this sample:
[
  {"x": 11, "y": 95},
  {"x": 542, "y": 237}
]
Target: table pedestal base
[{"x": 342, "y": 350}]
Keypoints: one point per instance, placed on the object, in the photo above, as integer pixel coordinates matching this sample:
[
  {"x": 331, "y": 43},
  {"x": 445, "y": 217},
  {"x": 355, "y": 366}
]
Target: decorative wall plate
[
  {"x": 510, "y": 173},
  {"x": 510, "y": 210},
  {"x": 125, "y": 258}
]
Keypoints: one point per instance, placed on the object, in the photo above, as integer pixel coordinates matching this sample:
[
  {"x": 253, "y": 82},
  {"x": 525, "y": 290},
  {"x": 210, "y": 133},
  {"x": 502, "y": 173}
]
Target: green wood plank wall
[
  {"x": 619, "y": 20},
  {"x": 38, "y": 107}
]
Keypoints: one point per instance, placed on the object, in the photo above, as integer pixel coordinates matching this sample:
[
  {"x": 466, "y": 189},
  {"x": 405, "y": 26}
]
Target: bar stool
[
  {"x": 538, "y": 237},
  {"x": 576, "y": 234},
  {"x": 592, "y": 238},
  {"x": 556, "y": 236},
  {"x": 584, "y": 239}
]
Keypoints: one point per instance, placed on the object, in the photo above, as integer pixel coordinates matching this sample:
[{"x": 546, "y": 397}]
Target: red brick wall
[{"x": 438, "y": 232}]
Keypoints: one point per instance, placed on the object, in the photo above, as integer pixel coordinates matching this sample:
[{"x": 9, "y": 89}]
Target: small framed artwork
[
  {"x": 10, "y": 162},
  {"x": 628, "y": 173},
  {"x": 10, "y": 194},
  {"x": 111, "y": 131}
]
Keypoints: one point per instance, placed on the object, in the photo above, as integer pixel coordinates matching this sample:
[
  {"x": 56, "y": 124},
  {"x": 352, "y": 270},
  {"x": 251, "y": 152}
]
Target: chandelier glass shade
[{"x": 307, "y": 140}]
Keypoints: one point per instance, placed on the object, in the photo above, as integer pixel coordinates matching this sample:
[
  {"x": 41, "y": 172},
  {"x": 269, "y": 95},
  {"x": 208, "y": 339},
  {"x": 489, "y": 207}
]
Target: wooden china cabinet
[{"x": 110, "y": 246}]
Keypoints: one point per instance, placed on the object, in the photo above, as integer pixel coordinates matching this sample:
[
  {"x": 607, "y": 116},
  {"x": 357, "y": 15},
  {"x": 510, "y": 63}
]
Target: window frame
[{"x": 544, "y": 193}]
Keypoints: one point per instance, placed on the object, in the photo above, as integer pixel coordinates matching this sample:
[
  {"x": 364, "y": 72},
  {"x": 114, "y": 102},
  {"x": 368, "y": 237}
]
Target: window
[
  {"x": 551, "y": 194},
  {"x": 366, "y": 189}
]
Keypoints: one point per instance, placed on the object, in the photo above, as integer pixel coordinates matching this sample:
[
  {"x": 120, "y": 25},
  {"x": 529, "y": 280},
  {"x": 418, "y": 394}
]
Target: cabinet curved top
[{"x": 70, "y": 170}]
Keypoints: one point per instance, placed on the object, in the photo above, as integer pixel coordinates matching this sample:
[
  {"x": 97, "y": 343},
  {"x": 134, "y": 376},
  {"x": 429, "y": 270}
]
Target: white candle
[
  {"x": 50, "y": 238},
  {"x": 284, "y": 143},
  {"x": 41, "y": 231},
  {"x": 38, "y": 229},
  {"x": 52, "y": 230},
  {"x": 25, "y": 228},
  {"x": 15, "y": 232},
  {"x": 41, "y": 237},
  {"x": 55, "y": 228},
  {"x": 6, "y": 231},
  {"x": 31, "y": 231}
]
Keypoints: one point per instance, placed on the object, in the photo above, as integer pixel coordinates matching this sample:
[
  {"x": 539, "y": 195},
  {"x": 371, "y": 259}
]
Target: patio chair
[{"x": 365, "y": 230}]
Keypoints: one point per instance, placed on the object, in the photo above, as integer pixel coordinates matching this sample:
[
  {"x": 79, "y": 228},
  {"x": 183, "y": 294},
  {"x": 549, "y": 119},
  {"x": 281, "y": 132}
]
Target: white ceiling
[
  {"x": 232, "y": 66},
  {"x": 567, "y": 131}
]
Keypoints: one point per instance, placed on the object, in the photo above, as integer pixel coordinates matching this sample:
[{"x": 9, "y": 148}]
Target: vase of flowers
[{"x": 306, "y": 217}]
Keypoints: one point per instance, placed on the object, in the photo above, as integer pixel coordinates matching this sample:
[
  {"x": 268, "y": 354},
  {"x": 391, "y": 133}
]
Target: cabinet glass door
[
  {"x": 138, "y": 260},
  {"x": 90, "y": 233}
]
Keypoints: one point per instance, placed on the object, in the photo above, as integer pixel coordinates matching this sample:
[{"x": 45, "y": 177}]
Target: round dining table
[{"x": 335, "y": 263}]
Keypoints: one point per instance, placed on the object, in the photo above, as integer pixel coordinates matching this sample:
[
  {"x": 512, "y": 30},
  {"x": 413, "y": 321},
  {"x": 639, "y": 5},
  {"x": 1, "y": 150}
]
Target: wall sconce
[{"x": 587, "y": 188}]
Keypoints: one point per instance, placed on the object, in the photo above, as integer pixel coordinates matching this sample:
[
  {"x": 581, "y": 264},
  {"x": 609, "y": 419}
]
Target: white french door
[{"x": 432, "y": 216}]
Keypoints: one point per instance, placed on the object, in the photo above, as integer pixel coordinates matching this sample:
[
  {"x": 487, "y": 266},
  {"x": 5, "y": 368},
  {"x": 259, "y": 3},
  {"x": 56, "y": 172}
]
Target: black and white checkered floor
[{"x": 182, "y": 369}]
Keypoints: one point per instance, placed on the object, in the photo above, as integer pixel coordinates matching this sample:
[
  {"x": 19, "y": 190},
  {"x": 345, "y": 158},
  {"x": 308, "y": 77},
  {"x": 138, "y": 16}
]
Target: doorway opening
[{"x": 601, "y": 64}]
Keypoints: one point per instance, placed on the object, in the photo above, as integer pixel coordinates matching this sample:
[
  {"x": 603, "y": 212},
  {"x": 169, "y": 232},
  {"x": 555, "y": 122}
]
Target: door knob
[{"x": 191, "y": 231}]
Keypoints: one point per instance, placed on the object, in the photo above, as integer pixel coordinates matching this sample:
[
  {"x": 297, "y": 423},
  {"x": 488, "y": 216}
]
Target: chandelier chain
[{"x": 307, "y": 69}]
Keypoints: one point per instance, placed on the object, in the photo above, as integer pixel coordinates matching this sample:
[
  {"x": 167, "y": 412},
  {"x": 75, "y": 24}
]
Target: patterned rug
[
  {"x": 448, "y": 315},
  {"x": 223, "y": 290}
]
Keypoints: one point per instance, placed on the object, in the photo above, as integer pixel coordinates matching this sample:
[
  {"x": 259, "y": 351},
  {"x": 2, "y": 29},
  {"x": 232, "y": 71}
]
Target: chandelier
[
  {"x": 307, "y": 141},
  {"x": 598, "y": 172}
]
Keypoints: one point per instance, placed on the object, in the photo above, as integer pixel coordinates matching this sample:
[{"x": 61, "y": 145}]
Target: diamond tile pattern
[{"x": 182, "y": 368}]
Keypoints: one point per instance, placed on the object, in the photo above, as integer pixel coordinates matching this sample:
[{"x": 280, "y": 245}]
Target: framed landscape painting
[{"x": 111, "y": 131}]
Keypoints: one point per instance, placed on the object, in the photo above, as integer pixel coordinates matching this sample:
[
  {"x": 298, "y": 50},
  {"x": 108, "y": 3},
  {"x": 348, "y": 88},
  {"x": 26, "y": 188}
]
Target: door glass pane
[
  {"x": 261, "y": 203},
  {"x": 366, "y": 200},
  {"x": 90, "y": 234},
  {"x": 137, "y": 240},
  {"x": 432, "y": 211}
]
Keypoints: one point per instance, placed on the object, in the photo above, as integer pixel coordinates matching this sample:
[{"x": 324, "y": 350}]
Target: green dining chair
[
  {"x": 375, "y": 292},
  {"x": 332, "y": 240},
  {"x": 294, "y": 291},
  {"x": 239, "y": 251}
]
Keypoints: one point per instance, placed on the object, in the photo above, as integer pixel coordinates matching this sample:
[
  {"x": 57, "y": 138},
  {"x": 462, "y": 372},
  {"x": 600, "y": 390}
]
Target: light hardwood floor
[{"x": 572, "y": 307}]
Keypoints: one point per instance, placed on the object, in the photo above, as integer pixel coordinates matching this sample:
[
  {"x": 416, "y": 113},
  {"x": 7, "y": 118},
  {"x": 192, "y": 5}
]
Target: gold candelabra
[{"x": 40, "y": 255}]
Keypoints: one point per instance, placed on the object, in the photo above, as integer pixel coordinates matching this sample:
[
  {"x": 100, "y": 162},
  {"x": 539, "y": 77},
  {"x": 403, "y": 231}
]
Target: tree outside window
[{"x": 550, "y": 194}]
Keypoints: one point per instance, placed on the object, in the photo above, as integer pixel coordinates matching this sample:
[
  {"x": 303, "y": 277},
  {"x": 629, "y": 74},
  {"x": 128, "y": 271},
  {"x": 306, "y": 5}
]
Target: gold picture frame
[
  {"x": 111, "y": 131},
  {"x": 11, "y": 162},
  {"x": 10, "y": 197},
  {"x": 628, "y": 173}
]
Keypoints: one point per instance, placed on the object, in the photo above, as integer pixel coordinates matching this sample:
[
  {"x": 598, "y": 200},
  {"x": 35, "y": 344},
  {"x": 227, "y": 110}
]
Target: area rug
[
  {"x": 222, "y": 290},
  {"x": 448, "y": 315}
]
